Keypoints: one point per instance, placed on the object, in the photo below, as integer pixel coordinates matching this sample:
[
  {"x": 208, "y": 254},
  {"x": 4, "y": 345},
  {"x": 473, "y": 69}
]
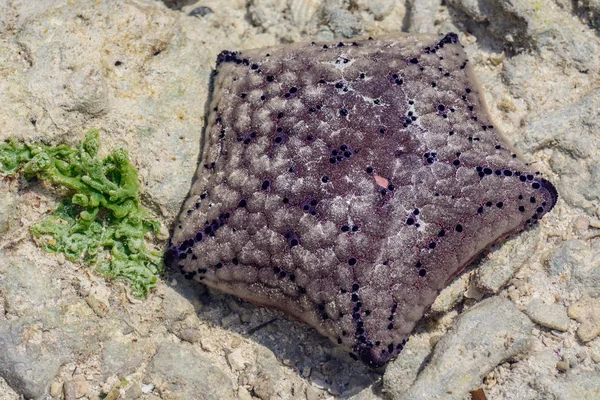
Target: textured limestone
[
  {"x": 489, "y": 333},
  {"x": 402, "y": 372},
  {"x": 553, "y": 316},
  {"x": 180, "y": 371},
  {"x": 572, "y": 133},
  {"x": 587, "y": 312}
]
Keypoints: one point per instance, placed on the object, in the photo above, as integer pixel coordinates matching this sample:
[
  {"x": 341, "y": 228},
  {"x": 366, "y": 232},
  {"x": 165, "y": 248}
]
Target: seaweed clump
[{"x": 102, "y": 222}]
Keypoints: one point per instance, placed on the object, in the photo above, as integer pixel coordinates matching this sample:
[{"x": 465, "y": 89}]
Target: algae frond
[{"x": 102, "y": 222}]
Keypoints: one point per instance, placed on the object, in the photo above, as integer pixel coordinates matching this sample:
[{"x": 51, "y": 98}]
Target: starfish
[{"x": 347, "y": 183}]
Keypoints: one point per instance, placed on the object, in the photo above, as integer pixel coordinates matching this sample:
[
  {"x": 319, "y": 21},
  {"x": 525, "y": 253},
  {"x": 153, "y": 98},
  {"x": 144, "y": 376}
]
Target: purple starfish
[{"x": 347, "y": 183}]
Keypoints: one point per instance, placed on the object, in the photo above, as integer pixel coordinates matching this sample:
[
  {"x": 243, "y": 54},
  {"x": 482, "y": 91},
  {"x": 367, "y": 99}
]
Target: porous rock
[
  {"x": 572, "y": 133},
  {"x": 553, "y": 316},
  {"x": 402, "y": 372},
  {"x": 184, "y": 374},
  {"x": 587, "y": 312},
  {"x": 483, "y": 337},
  {"x": 121, "y": 356}
]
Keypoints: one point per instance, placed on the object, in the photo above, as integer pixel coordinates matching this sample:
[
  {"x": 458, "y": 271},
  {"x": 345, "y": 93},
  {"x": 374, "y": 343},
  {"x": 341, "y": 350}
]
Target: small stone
[
  {"x": 134, "y": 392},
  {"x": 581, "y": 223},
  {"x": 147, "y": 388},
  {"x": 587, "y": 312},
  {"x": 69, "y": 390},
  {"x": 191, "y": 335},
  {"x": 378, "y": 8},
  {"x": 330, "y": 368},
  {"x": 231, "y": 319},
  {"x": 306, "y": 372},
  {"x": 56, "y": 388},
  {"x": 114, "y": 394},
  {"x": 563, "y": 366},
  {"x": 243, "y": 393},
  {"x": 82, "y": 386},
  {"x": 201, "y": 11},
  {"x": 246, "y": 316},
  {"x": 312, "y": 393},
  {"x": 208, "y": 345},
  {"x": 99, "y": 308},
  {"x": 451, "y": 295},
  {"x": 187, "y": 329},
  {"x": 235, "y": 342},
  {"x": 553, "y": 316},
  {"x": 270, "y": 381},
  {"x": 98, "y": 300},
  {"x": 236, "y": 360}
]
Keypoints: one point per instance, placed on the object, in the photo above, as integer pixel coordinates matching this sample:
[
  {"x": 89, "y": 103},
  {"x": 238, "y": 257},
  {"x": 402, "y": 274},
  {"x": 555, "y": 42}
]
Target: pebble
[
  {"x": 56, "y": 388},
  {"x": 208, "y": 345},
  {"x": 587, "y": 312},
  {"x": 235, "y": 342},
  {"x": 312, "y": 393},
  {"x": 553, "y": 316},
  {"x": 378, "y": 8},
  {"x": 563, "y": 366},
  {"x": 243, "y": 393},
  {"x": 269, "y": 381},
  {"x": 236, "y": 360},
  {"x": 330, "y": 368},
  {"x": 482, "y": 338},
  {"x": 147, "y": 388},
  {"x": 422, "y": 16},
  {"x": 306, "y": 372},
  {"x": 231, "y": 319},
  {"x": 343, "y": 24},
  {"x": 69, "y": 390},
  {"x": 201, "y": 11},
  {"x": 114, "y": 394},
  {"x": 134, "y": 392},
  {"x": 82, "y": 386}
]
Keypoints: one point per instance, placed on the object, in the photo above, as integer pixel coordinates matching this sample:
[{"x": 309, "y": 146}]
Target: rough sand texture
[{"x": 140, "y": 70}]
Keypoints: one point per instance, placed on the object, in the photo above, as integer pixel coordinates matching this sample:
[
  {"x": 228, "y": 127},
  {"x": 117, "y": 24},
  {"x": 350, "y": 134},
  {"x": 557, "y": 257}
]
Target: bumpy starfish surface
[{"x": 347, "y": 183}]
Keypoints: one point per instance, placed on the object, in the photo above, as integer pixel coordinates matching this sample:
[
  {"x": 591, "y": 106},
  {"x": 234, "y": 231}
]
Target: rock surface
[
  {"x": 181, "y": 373},
  {"x": 490, "y": 333},
  {"x": 587, "y": 312},
  {"x": 553, "y": 316},
  {"x": 139, "y": 70}
]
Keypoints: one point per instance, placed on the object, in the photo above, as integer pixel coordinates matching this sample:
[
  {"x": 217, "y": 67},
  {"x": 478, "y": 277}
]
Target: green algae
[{"x": 102, "y": 222}]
